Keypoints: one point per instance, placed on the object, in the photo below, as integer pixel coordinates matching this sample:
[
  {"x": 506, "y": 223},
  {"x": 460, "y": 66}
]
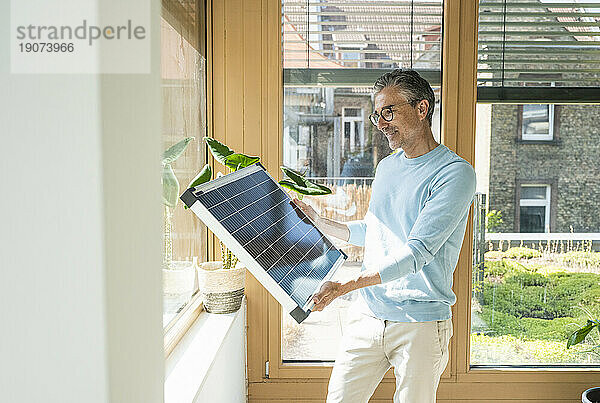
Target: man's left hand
[{"x": 329, "y": 291}]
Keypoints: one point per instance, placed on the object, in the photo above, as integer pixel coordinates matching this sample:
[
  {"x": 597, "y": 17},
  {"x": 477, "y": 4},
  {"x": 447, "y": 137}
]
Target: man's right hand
[{"x": 308, "y": 210}]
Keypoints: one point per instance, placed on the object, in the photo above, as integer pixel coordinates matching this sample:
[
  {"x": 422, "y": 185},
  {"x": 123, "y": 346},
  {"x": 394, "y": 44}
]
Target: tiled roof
[
  {"x": 295, "y": 41},
  {"x": 378, "y": 27}
]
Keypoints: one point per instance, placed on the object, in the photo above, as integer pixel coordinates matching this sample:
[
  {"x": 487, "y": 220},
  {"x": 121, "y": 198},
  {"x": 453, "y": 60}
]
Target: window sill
[
  {"x": 181, "y": 323},
  {"x": 192, "y": 358},
  {"x": 546, "y": 142}
]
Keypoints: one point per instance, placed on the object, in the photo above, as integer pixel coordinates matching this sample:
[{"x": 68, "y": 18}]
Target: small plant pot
[
  {"x": 179, "y": 283},
  {"x": 221, "y": 290}
]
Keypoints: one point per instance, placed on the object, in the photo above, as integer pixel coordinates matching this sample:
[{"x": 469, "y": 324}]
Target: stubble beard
[{"x": 395, "y": 141}]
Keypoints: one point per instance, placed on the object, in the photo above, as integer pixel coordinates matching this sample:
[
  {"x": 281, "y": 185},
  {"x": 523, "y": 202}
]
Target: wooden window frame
[{"x": 247, "y": 101}]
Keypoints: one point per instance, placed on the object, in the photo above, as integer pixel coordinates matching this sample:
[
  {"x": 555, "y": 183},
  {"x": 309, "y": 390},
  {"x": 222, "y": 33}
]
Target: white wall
[
  {"x": 80, "y": 251},
  {"x": 225, "y": 381}
]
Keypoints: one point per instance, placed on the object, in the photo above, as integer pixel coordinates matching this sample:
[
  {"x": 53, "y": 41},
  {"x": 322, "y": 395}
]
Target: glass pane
[
  {"x": 352, "y": 112},
  {"x": 532, "y": 218},
  {"x": 183, "y": 74},
  {"x": 326, "y": 131},
  {"x": 533, "y": 192},
  {"x": 530, "y": 294},
  {"x": 318, "y": 337},
  {"x": 536, "y": 119}
]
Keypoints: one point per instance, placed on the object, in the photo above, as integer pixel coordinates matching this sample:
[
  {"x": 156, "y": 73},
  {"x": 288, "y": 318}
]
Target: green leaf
[
  {"x": 303, "y": 190},
  {"x": 296, "y": 176},
  {"x": 219, "y": 150},
  {"x": 203, "y": 177},
  {"x": 236, "y": 161},
  {"x": 302, "y": 185},
  {"x": 170, "y": 186},
  {"x": 175, "y": 151},
  {"x": 579, "y": 335}
]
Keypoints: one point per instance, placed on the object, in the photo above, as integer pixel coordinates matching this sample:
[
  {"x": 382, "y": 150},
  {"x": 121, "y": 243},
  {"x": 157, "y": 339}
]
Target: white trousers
[{"x": 418, "y": 352}]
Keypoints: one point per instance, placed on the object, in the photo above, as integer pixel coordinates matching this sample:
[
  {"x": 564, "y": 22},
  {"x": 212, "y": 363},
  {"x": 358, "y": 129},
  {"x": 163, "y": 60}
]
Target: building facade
[{"x": 545, "y": 167}]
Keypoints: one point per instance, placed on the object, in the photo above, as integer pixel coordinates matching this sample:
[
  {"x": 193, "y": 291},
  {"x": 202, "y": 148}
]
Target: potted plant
[
  {"x": 578, "y": 336},
  {"x": 179, "y": 277},
  {"x": 221, "y": 283}
]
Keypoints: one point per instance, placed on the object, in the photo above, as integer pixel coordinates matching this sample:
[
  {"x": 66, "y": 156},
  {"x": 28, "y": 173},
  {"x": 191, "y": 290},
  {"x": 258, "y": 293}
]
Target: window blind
[
  {"x": 343, "y": 42},
  {"x": 539, "y": 51}
]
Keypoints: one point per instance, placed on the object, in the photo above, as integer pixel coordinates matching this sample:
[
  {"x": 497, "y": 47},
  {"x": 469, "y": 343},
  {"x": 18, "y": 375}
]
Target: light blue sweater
[{"x": 412, "y": 234}]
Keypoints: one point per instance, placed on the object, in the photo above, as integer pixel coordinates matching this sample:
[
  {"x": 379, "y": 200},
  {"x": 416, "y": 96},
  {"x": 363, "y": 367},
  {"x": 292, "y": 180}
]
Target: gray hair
[{"x": 414, "y": 87}]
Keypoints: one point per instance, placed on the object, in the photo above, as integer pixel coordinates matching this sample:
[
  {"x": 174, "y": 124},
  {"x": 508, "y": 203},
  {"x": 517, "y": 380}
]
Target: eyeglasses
[{"x": 387, "y": 114}]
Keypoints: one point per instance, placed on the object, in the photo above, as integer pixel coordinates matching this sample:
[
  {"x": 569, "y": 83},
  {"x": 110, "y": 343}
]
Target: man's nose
[{"x": 381, "y": 123}]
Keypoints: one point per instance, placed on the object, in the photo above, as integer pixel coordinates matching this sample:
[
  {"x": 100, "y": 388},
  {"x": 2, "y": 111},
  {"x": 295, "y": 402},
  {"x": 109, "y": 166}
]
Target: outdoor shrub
[
  {"x": 574, "y": 284},
  {"x": 555, "y": 329},
  {"x": 494, "y": 254},
  {"x": 529, "y": 328},
  {"x": 527, "y": 279},
  {"x": 517, "y": 267},
  {"x": 575, "y": 288},
  {"x": 588, "y": 259},
  {"x": 591, "y": 299},
  {"x": 503, "y": 267},
  {"x": 493, "y": 220},
  {"x": 500, "y": 323},
  {"x": 533, "y": 295},
  {"x": 495, "y": 268},
  {"x": 521, "y": 253},
  {"x": 522, "y": 301}
]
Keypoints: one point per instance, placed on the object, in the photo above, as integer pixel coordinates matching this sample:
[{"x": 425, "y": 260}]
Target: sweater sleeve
[
  {"x": 357, "y": 229},
  {"x": 445, "y": 209}
]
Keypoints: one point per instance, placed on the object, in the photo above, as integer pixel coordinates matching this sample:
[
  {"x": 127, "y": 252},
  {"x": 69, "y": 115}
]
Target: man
[{"x": 412, "y": 234}]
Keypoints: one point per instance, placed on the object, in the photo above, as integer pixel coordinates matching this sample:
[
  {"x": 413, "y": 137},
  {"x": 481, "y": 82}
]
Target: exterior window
[
  {"x": 351, "y": 57},
  {"x": 537, "y": 122},
  {"x": 534, "y": 208},
  {"x": 354, "y": 134}
]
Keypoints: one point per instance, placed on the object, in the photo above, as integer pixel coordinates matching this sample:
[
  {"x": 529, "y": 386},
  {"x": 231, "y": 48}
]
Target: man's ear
[{"x": 422, "y": 108}]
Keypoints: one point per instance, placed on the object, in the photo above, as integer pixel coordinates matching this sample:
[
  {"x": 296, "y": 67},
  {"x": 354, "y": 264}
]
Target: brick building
[{"x": 545, "y": 167}]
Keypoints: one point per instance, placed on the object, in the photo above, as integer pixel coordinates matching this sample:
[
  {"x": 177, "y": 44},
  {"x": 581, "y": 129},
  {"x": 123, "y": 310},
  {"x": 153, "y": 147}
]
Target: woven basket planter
[{"x": 222, "y": 290}]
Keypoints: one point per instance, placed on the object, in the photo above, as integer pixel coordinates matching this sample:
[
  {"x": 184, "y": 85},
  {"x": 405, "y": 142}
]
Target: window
[
  {"x": 183, "y": 72},
  {"x": 537, "y": 122},
  {"x": 527, "y": 292},
  {"x": 534, "y": 207},
  {"x": 351, "y": 56},
  {"x": 354, "y": 135},
  {"x": 332, "y": 54},
  {"x": 269, "y": 377}
]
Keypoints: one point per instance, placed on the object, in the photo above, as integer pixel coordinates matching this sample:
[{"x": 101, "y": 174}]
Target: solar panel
[{"x": 252, "y": 215}]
